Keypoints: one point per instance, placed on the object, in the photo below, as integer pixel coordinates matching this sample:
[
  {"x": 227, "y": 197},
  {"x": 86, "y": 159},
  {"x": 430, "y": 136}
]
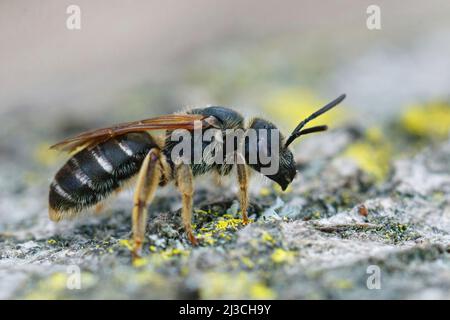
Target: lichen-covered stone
[{"x": 315, "y": 241}]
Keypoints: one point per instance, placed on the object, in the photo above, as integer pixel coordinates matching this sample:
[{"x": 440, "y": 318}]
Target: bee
[{"x": 104, "y": 159}]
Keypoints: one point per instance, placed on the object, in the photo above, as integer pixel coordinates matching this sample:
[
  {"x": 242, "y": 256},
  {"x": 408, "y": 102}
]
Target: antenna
[{"x": 298, "y": 130}]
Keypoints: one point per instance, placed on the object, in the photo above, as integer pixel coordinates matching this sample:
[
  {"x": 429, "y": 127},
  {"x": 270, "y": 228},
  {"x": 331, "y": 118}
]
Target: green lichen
[{"x": 393, "y": 231}]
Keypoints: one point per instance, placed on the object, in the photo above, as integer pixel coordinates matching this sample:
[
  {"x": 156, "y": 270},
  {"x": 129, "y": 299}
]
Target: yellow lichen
[
  {"x": 168, "y": 253},
  {"x": 57, "y": 286},
  {"x": 207, "y": 238},
  {"x": 248, "y": 262},
  {"x": 225, "y": 236},
  {"x": 44, "y": 156},
  {"x": 430, "y": 121},
  {"x": 51, "y": 241},
  {"x": 147, "y": 277},
  {"x": 57, "y": 281},
  {"x": 126, "y": 243},
  {"x": 160, "y": 258},
  {"x": 261, "y": 291},
  {"x": 373, "y": 155},
  {"x": 371, "y": 159},
  {"x": 215, "y": 285},
  {"x": 280, "y": 256},
  {"x": 374, "y": 134},
  {"x": 228, "y": 223},
  {"x": 267, "y": 237},
  {"x": 140, "y": 262},
  {"x": 294, "y": 105},
  {"x": 264, "y": 192},
  {"x": 342, "y": 284}
]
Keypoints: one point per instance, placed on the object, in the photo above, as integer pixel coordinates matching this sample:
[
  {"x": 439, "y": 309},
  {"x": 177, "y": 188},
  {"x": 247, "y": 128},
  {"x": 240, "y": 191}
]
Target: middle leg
[
  {"x": 243, "y": 189},
  {"x": 185, "y": 183}
]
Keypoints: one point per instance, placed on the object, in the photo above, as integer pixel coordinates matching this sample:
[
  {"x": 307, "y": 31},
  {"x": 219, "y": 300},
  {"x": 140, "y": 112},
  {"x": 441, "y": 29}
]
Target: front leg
[
  {"x": 146, "y": 185},
  {"x": 243, "y": 190},
  {"x": 185, "y": 183}
]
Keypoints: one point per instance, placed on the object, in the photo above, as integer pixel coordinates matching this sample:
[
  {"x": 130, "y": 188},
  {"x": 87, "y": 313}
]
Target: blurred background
[
  {"x": 268, "y": 58},
  {"x": 166, "y": 54}
]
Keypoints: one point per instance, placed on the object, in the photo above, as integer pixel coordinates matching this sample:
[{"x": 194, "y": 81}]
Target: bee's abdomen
[{"x": 92, "y": 174}]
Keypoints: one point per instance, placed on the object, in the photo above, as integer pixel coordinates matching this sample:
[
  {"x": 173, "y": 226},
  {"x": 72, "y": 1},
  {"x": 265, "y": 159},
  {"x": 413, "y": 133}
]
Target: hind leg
[
  {"x": 146, "y": 185},
  {"x": 185, "y": 183}
]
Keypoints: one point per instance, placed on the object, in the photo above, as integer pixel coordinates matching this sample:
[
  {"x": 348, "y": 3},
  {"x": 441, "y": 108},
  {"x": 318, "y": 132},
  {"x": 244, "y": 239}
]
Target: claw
[
  {"x": 193, "y": 239},
  {"x": 136, "y": 251},
  {"x": 245, "y": 219}
]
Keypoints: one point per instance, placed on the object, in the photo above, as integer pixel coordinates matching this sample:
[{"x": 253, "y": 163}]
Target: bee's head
[{"x": 267, "y": 152}]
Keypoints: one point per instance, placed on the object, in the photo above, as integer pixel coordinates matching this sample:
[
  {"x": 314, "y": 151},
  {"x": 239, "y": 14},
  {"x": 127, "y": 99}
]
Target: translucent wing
[{"x": 166, "y": 122}]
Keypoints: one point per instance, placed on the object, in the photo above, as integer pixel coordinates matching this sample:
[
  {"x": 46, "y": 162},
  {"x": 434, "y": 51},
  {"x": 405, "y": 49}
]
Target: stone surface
[{"x": 321, "y": 239}]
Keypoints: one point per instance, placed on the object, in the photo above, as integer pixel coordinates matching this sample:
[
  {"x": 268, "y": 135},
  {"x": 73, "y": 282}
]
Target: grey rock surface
[{"x": 326, "y": 238}]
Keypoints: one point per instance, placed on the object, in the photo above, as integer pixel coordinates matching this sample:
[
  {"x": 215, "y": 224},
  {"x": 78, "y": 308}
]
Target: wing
[{"x": 166, "y": 122}]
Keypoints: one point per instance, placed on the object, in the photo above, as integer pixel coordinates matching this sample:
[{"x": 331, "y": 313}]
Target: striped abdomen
[{"x": 92, "y": 174}]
